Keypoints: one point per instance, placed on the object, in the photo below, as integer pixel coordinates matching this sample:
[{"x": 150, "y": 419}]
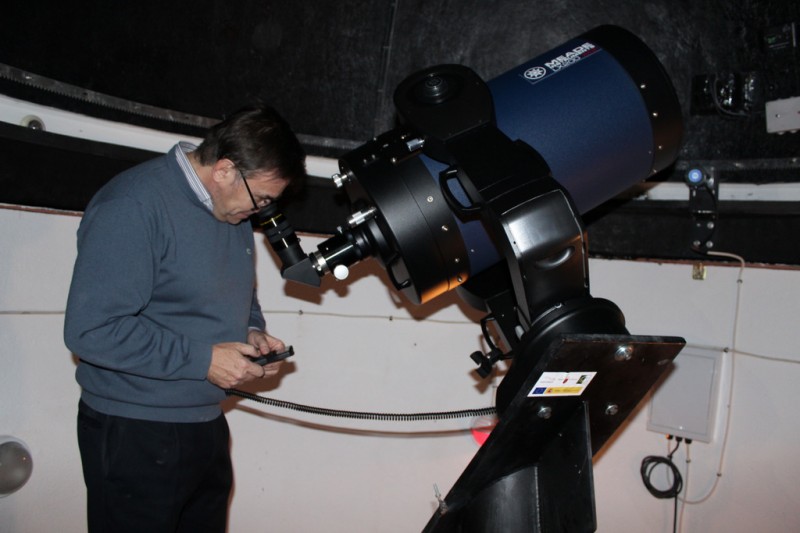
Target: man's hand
[
  {"x": 264, "y": 344},
  {"x": 231, "y": 366}
]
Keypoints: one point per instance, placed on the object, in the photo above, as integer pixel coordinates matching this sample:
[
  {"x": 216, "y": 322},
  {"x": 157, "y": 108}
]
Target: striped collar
[{"x": 191, "y": 176}]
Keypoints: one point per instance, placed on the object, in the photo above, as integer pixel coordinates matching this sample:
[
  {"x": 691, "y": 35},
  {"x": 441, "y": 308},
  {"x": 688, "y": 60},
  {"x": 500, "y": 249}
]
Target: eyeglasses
[{"x": 256, "y": 205}]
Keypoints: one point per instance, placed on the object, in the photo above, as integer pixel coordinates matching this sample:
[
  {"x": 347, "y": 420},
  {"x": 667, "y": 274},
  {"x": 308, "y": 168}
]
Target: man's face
[{"x": 233, "y": 202}]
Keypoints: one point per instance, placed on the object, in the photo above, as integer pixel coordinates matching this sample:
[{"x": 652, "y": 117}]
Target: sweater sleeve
[
  {"x": 256, "y": 314},
  {"x": 112, "y": 283}
]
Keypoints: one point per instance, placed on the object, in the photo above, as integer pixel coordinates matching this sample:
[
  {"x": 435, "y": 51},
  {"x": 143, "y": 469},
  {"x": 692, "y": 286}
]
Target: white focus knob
[{"x": 341, "y": 272}]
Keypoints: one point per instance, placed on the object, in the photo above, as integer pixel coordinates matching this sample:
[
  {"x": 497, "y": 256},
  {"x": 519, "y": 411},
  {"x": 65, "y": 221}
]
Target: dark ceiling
[{"x": 331, "y": 66}]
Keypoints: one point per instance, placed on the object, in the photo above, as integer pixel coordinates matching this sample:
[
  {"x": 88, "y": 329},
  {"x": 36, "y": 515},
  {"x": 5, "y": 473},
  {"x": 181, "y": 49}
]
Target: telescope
[{"x": 481, "y": 188}]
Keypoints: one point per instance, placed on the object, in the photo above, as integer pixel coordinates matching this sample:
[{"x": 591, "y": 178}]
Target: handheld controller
[{"x": 274, "y": 357}]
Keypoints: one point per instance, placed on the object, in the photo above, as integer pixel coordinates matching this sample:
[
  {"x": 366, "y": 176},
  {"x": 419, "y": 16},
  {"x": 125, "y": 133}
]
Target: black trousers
[{"x": 154, "y": 477}]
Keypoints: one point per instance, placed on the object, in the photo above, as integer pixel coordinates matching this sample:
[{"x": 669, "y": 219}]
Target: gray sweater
[{"x": 158, "y": 280}]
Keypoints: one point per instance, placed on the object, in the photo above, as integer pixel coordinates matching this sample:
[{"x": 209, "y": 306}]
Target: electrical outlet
[{"x": 782, "y": 37}]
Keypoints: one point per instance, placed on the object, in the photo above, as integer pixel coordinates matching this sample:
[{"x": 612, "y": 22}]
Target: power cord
[{"x": 650, "y": 462}]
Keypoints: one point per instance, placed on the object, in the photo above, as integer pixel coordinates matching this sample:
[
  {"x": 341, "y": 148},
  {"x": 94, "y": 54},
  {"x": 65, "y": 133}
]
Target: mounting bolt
[
  {"x": 339, "y": 180},
  {"x": 623, "y": 352},
  {"x": 544, "y": 412},
  {"x": 612, "y": 409}
]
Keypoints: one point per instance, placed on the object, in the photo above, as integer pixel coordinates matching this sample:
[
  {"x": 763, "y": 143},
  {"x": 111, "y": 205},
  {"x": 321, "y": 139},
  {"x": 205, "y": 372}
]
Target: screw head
[
  {"x": 623, "y": 352},
  {"x": 544, "y": 412},
  {"x": 612, "y": 409}
]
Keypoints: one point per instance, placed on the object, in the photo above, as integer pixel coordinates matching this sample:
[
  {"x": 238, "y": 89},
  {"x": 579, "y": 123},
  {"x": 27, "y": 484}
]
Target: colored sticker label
[{"x": 562, "y": 384}]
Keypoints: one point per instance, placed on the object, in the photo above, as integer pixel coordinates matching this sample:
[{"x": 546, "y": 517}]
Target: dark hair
[{"x": 256, "y": 138}]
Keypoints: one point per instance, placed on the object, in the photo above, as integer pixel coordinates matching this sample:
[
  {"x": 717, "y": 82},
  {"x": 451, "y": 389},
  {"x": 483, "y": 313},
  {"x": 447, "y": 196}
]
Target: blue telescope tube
[{"x": 601, "y": 111}]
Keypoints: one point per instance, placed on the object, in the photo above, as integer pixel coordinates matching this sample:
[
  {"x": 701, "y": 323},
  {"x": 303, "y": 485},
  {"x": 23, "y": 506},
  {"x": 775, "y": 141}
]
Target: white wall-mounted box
[
  {"x": 783, "y": 115},
  {"x": 684, "y": 403}
]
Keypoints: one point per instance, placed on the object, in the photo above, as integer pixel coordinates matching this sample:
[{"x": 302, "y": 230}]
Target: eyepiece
[{"x": 280, "y": 234}]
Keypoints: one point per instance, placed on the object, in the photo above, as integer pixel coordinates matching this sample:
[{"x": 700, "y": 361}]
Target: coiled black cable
[
  {"x": 360, "y": 415},
  {"x": 648, "y": 465}
]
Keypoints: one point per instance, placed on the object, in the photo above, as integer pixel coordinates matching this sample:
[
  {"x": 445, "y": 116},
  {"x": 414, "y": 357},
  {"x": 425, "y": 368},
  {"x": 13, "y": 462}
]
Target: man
[{"x": 163, "y": 315}]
